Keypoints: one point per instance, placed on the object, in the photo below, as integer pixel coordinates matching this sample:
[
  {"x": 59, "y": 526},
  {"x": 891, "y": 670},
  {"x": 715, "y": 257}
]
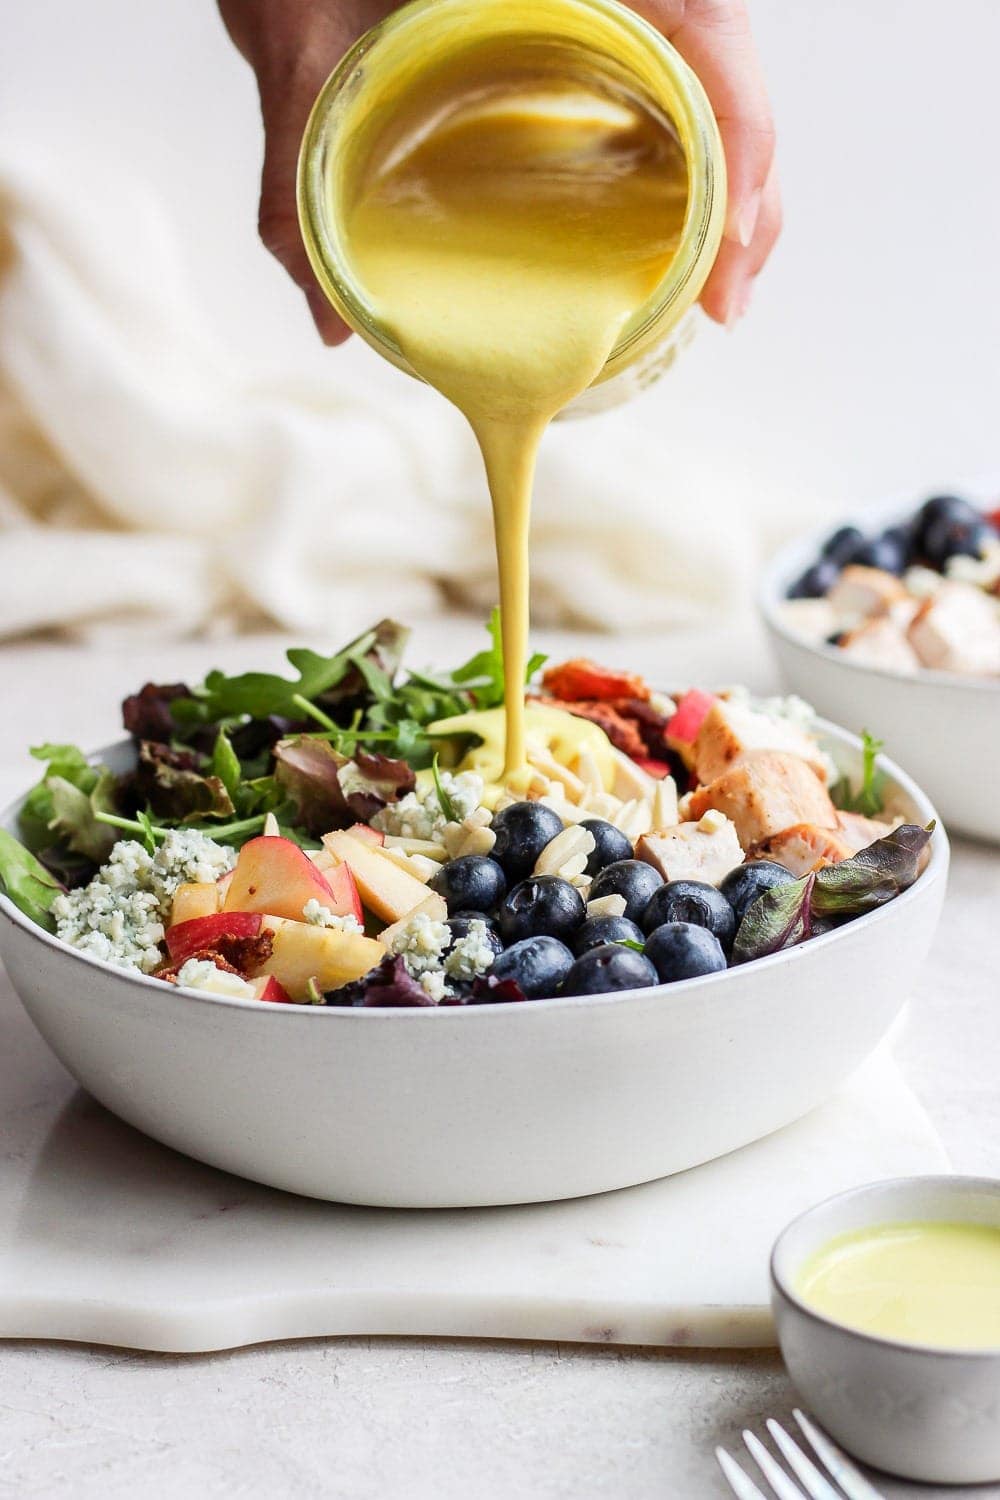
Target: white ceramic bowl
[
  {"x": 945, "y": 729},
  {"x": 925, "y": 1413},
  {"x": 496, "y": 1103}
]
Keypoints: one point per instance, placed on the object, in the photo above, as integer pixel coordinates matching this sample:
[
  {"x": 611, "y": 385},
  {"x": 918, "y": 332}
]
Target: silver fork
[{"x": 815, "y": 1485}]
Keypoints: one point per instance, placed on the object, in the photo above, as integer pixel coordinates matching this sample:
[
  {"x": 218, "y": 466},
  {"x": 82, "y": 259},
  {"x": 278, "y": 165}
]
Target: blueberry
[
  {"x": 472, "y": 916},
  {"x": 610, "y": 967},
  {"x": 597, "y": 931},
  {"x": 610, "y": 844},
  {"x": 543, "y": 906},
  {"x": 538, "y": 965},
  {"x": 459, "y": 926},
  {"x": 522, "y": 831},
  {"x": 471, "y": 882},
  {"x": 631, "y": 878},
  {"x": 744, "y": 885},
  {"x": 945, "y": 538},
  {"x": 682, "y": 950},
  {"x": 940, "y": 508},
  {"x": 841, "y": 546},
  {"x": 694, "y": 902},
  {"x": 883, "y": 552},
  {"x": 816, "y": 582}
]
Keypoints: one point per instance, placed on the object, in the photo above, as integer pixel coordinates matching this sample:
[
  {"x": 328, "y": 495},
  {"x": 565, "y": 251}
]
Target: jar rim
[{"x": 690, "y": 112}]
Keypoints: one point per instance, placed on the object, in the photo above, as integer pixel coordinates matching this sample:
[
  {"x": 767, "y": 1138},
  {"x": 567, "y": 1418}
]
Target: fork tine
[
  {"x": 807, "y": 1472},
  {"x": 854, "y": 1484},
  {"x": 742, "y": 1487},
  {"x": 783, "y": 1487}
]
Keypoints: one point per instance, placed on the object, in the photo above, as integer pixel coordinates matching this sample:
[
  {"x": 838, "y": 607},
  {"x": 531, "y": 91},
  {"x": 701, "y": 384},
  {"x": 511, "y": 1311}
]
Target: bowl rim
[
  {"x": 944, "y": 1181},
  {"x": 936, "y": 870},
  {"x": 789, "y": 561}
]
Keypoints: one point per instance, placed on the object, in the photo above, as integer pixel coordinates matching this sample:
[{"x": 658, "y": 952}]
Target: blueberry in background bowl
[
  {"x": 537, "y": 965},
  {"x": 681, "y": 950},
  {"x": 470, "y": 883},
  {"x": 632, "y": 879},
  {"x": 597, "y": 931},
  {"x": 610, "y": 845},
  {"x": 840, "y": 548},
  {"x": 544, "y": 906},
  {"x": 522, "y": 831},
  {"x": 744, "y": 885},
  {"x": 610, "y": 967},
  {"x": 817, "y": 580},
  {"x": 692, "y": 901}
]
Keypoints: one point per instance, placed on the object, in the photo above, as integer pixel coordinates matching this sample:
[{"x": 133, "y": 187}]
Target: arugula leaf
[
  {"x": 482, "y": 674},
  {"x": 444, "y": 801},
  {"x": 27, "y": 882},
  {"x": 630, "y": 943},
  {"x": 226, "y": 764},
  {"x": 870, "y": 798}
]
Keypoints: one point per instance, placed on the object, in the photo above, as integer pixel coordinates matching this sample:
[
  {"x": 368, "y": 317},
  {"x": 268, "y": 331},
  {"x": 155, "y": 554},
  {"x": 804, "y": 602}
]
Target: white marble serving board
[{"x": 109, "y": 1238}]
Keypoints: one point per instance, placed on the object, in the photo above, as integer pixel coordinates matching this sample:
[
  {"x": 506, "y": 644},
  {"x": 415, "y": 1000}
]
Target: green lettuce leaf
[{"x": 28, "y": 884}]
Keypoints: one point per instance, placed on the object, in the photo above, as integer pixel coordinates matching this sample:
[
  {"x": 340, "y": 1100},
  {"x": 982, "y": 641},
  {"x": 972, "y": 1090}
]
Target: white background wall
[{"x": 870, "y": 360}]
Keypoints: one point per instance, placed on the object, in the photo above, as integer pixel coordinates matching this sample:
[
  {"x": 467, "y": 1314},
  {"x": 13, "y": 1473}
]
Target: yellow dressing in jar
[
  {"x": 493, "y": 194},
  {"x": 923, "y": 1283}
]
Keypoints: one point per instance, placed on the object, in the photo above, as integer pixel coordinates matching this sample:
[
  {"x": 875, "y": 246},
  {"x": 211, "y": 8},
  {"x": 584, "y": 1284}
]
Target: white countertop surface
[{"x": 363, "y": 1418}]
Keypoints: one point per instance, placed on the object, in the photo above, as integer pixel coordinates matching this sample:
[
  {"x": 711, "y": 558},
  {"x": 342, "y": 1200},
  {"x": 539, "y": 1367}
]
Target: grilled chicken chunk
[
  {"x": 805, "y": 847},
  {"x": 882, "y": 643},
  {"x": 862, "y": 592},
  {"x": 706, "y": 850},
  {"x": 766, "y": 792},
  {"x": 732, "y": 730},
  {"x": 958, "y": 630}
]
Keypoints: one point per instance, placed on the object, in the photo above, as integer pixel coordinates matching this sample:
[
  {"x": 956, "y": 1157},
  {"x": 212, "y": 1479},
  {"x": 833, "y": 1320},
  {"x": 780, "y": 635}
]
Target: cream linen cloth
[{"x": 149, "y": 482}]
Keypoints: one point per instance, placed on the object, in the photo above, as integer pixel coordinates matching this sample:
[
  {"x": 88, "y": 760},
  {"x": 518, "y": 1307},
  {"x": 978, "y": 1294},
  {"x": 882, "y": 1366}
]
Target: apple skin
[
  {"x": 346, "y": 896},
  {"x": 301, "y": 953},
  {"x": 386, "y": 890},
  {"x": 268, "y": 988},
  {"x": 366, "y": 834},
  {"x": 692, "y": 710},
  {"x": 275, "y": 877},
  {"x": 658, "y": 769},
  {"x": 205, "y": 932}
]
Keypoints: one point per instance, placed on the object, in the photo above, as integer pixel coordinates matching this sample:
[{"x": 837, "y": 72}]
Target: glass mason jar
[{"x": 649, "y": 68}]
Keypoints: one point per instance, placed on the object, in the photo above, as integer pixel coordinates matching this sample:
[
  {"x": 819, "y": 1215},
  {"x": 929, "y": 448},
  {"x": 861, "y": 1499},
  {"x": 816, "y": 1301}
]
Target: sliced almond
[
  {"x": 607, "y": 906},
  {"x": 566, "y": 855},
  {"x": 544, "y": 761},
  {"x": 665, "y": 804}
]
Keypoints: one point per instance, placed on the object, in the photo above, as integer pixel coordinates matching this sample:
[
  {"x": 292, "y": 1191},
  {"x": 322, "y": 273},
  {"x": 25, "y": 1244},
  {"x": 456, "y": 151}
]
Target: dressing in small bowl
[{"x": 887, "y": 1305}]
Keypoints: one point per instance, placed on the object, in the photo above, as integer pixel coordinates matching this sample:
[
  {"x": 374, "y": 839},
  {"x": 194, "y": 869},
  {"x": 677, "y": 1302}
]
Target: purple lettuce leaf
[
  {"x": 781, "y": 918},
  {"x": 873, "y": 876},
  {"x": 331, "y": 790}
]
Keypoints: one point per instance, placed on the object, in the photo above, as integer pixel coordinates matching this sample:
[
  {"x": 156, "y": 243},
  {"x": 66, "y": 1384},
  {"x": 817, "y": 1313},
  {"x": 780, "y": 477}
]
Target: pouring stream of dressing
[{"x": 509, "y": 217}]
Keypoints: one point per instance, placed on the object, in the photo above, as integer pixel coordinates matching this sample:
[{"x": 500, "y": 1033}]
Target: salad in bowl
[
  {"x": 304, "y": 929},
  {"x": 348, "y": 838}
]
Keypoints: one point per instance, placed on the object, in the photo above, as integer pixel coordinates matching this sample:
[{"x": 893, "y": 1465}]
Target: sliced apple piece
[
  {"x": 385, "y": 889},
  {"x": 206, "y": 932},
  {"x": 301, "y": 952},
  {"x": 433, "y": 906},
  {"x": 194, "y": 899},
  {"x": 346, "y": 896},
  {"x": 266, "y": 987},
  {"x": 365, "y": 834},
  {"x": 222, "y": 888},
  {"x": 276, "y": 877}
]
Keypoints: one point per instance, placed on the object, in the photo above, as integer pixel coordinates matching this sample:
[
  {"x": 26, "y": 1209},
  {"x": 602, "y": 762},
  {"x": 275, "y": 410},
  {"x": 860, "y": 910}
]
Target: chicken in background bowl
[{"x": 898, "y": 628}]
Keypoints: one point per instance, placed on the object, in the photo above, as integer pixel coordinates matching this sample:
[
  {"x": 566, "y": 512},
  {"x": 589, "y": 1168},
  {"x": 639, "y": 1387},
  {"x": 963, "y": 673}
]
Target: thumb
[{"x": 285, "y": 105}]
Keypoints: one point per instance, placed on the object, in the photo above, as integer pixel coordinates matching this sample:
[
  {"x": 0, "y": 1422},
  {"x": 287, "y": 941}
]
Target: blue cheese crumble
[
  {"x": 202, "y": 974},
  {"x": 432, "y": 959},
  {"x": 419, "y": 814},
  {"x": 318, "y": 915},
  {"x": 119, "y": 916}
]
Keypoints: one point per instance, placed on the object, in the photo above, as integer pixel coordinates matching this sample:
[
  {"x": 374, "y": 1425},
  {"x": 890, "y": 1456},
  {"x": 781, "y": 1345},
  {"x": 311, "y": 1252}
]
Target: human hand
[{"x": 293, "y": 45}]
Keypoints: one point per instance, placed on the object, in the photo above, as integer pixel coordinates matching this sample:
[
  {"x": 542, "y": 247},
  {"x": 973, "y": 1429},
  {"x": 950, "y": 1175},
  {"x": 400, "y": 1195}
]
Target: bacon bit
[
  {"x": 581, "y": 680},
  {"x": 622, "y": 732},
  {"x": 234, "y": 955}
]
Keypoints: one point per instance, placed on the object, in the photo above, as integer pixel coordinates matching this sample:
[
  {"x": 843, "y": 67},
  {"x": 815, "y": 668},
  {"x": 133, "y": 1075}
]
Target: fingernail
[{"x": 747, "y": 222}]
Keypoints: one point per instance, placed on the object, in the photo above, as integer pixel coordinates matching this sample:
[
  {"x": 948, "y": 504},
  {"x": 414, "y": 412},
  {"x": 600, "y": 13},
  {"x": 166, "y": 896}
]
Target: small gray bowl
[{"x": 920, "y": 1411}]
